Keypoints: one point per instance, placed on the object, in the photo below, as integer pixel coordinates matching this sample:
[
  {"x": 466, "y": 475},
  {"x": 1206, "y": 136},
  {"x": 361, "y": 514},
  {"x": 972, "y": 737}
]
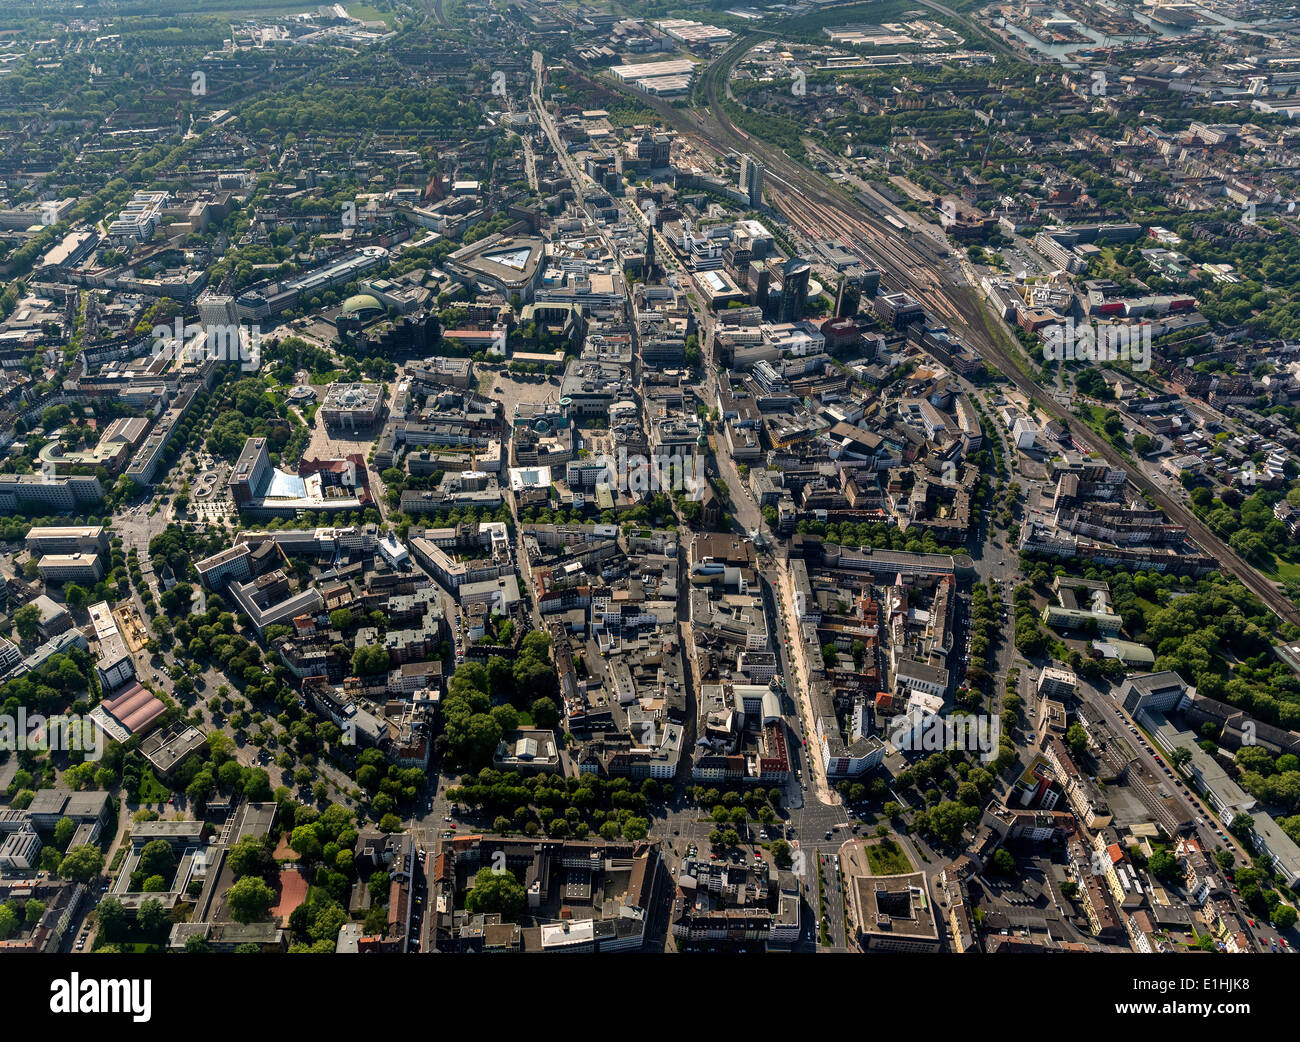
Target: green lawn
[
  {"x": 371, "y": 14},
  {"x": 886, "y": 858},
  {"x": 152, "y": 790},
  {"x": 1281, "y": 570},
  {"x": 1094, "y": 416},
  {"x": 1008, "y": 344},
  {"x": 120, "y": 856}
]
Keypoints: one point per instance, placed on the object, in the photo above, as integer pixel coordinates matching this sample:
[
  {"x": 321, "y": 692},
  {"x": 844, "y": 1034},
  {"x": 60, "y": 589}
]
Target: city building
[{"x": 894, "y": 913}]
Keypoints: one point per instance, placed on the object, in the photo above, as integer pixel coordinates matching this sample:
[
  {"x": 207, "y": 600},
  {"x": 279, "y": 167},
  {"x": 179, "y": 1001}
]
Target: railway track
[{"x": 813, "y": 203}]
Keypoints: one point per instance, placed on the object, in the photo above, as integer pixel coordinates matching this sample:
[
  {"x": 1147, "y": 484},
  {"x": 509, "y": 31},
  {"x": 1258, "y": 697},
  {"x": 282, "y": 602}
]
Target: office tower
[{"x": 751, "y": 179}]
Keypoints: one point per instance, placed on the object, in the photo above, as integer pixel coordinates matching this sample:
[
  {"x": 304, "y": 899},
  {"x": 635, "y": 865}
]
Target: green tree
[
  {"x": 306, "y": 842},
  {"x": 26, "y": 619},
  {"x": 249, "y": 899},
  {"x": 63, "y": 832},
  {"x": 157, "y": 859},
  {"x": 152, "y": 916},
  {"x": 1004, "y": 864},
  {"x": 948, "y": 819},
  {"x": 111, "y": 917},
  {"x": 327, "y": 922},
  {"x": 496, "y": 892},
  {"x": 376, "y": 920},
  {"x": 82, "y": 863},
  {"x": 1164, "y": 866},
  {"x": 250, "y": 857},
  {"x": 257, "y": 785},
  {"x": 506, "y": 716},
  {"x": 545, "y": 713},
  {"x": 1241, "y": 826}
]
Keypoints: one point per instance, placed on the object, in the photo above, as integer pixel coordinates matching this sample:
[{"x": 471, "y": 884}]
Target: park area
[{"x": 887, "y": 858}]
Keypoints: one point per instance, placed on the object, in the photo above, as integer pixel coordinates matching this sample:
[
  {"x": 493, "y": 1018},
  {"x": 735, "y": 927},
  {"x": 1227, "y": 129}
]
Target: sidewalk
[{"x": 825, "y": 793}]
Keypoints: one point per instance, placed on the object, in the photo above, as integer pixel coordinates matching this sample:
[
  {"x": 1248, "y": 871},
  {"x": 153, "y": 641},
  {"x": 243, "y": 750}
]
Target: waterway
[{"x": 1062, "y": 51}]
